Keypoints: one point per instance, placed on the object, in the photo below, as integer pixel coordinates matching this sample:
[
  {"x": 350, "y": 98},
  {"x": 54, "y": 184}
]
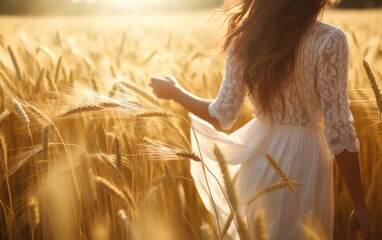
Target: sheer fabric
[{"x": 315, "y": 124}]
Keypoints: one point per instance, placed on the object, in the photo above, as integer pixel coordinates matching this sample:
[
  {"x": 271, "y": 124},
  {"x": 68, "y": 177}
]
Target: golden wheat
[
  {"x": 89, "y": 108},
  {"x": 80, "y": 59},
  {"x": 231, "y": 194},
  {"x": 279, "y": 171},
  {"x": 260, "y": 231},
  {"x": 15, "y": 63},
  {"x": 111, "y": 188},
  {"x": 374, "y": 84},
  {"x": 227, "y": 224},
  {"x": 270, "y": 188},
  {"x": 21, "y": 112},
  {"x": 189, "y": 155}
]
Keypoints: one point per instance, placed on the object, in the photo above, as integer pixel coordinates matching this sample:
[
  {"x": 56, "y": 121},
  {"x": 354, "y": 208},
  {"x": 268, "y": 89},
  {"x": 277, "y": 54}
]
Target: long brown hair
[{"x": 264, "y": 36}]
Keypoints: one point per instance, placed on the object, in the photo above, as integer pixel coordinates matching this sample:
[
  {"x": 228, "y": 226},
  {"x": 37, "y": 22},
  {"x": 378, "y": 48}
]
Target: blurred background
[
  {"x": 100, "y": 6},
  {"x": 12, "y": 7}
]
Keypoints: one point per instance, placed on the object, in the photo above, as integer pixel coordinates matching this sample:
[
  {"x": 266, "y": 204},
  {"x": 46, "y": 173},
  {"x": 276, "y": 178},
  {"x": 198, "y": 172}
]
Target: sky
[{"x": 95, "y": 6}]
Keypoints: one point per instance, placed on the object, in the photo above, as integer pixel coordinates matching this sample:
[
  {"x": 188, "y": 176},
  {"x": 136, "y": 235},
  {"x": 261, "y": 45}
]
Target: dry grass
[{"x": 76, "y": 181}]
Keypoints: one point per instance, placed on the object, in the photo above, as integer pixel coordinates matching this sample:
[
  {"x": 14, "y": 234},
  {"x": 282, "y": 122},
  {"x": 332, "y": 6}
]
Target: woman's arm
[
  {"x": 348, "y": 164},
  {"x": 168, "y": 88}
]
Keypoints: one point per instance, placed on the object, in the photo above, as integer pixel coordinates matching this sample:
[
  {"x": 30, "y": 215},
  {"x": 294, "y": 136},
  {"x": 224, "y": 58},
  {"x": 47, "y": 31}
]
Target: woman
[{"x": 294, "y": 70}]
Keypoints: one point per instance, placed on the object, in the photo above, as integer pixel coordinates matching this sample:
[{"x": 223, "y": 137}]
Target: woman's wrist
[{"x": 178, "y": 93}]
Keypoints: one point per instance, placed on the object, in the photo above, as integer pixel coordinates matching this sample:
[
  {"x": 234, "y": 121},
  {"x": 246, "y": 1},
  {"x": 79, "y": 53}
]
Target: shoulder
[
  {"x": 331, "y": 35},
  {"x": 328, "y": 29}
]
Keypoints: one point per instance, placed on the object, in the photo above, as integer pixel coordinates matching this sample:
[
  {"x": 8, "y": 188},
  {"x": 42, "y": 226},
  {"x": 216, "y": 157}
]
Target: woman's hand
[
  {"x": 164, "y": 88},
  {"x": 359, "y": 222},
  {"x": 168, "y": 88}
]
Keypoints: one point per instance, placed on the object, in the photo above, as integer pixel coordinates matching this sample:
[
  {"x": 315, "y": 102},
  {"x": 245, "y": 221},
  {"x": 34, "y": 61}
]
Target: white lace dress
[{"x": 317, "y": 124}]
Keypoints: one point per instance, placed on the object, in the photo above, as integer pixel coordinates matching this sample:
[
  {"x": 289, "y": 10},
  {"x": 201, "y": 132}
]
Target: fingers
[{"x": 358, "y": 225}]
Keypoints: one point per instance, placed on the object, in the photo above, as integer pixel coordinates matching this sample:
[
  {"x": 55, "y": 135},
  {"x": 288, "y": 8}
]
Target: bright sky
[{"x": 121, "y": 3}]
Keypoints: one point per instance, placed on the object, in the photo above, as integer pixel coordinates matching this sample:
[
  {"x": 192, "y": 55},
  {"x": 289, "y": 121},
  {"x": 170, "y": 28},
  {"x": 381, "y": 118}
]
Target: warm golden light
[{"x": 121, "y": 3}]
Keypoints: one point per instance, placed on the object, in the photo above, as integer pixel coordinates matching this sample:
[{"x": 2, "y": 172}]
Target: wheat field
[{"x": 87, "y": 152}]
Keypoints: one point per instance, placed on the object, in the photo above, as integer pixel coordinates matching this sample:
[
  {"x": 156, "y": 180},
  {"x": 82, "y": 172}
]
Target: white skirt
[{"x": 301, "y": 152}]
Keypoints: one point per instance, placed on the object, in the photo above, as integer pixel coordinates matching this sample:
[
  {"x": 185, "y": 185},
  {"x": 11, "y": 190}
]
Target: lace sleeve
[
  {"x": 226, "y": 106},
  {"x": 332, "y": 74}
]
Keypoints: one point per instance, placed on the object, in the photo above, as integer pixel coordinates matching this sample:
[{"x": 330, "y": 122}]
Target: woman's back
[{"x": 316, "y": 94}]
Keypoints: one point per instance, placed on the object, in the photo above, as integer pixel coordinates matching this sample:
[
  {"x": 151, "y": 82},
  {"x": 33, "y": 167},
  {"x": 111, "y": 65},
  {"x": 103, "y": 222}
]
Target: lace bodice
[{"x": 317, "y": 95}]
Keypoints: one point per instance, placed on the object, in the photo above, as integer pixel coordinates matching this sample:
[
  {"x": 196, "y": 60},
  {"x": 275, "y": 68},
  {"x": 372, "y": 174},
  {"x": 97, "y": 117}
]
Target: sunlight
[{"x": 121, "y": 3}]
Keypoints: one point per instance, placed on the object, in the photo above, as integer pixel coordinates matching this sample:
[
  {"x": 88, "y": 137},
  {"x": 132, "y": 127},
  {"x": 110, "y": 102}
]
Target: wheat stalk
[
  {"x": 151, "y": 193},
  {"x": 46, "y": 118},
  {"x": 71, "y": 78},
  {"x": 259, "y": 228},
  {"x": 64, "y": 74},
  {"x": 109, "y": 160},
  {"x": 130, "y": 198},
  {"x": 230, "y": 192},
  {"x": 272, "y": 187},
  {"x": 112, "y": 72},
  {"x": 189, "y": 155},
  {"x": 4, "y": 115},
  {"x": 45, "y": 142},
  {"x": 21, "y": 112},
  {"x": 39, "y": 79},
  {"x": 114, "y": 90},
  {"x": 58, "y": 68},
  {"x": 153, "y": 114},
  {"x": 33, "y": 213},
  {"x": 15, "y": 64},
  {"x": 118, "y": 153},
  {"x": 141, "y": 92},
  {"x": 112, "y": 189},
  {"x": 87, "y": 178},
  {"x": 94, "y": 83},
  {"x": 51, "y": 83},
  {"x": 89, "y": 108},
  {"x": 123, "y": 216},
  {"x": 227, "y": 224},
  {"x": 226, "y": 177},
  {"x": 148, "y": 59},
  {"x": 374, "y": 85},
  {"x": 279, "y": 171},
  {"x": 130, "y": 230}
]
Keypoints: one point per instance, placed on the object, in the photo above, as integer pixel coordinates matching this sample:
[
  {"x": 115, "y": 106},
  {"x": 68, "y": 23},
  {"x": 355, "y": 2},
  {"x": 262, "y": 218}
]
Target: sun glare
[{"x": 122, "y": 3}]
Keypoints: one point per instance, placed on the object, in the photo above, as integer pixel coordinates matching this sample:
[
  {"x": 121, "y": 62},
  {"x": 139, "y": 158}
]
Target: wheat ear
[
  {"x": 272, "y": 187},
  {"x": 87, "y": 177},
  {"x": 51, "y": 83},
  {"x": 39, "y": 79},
  {"x": 374, "y": 85},
  {"x": 151, "y": 193},
  {"x": 153, "y": 114},
  {"x": 4, "y": 115},
  {"x": 227, "y": 224},
  {"x": 141, "y": 92},
  {"x": 33, "y": 213},
  {"x": 118, "y": 154},
  {"x": 279, "y": 171},
  {"x": 45, "y": 142},
  {"x": 15, "y": 64},
  {"x": 130, "y": 198},
  {"x": 111, "y": 188},
  {"x": 109, "y": 160},
  {"x": 259, "y": 228},
  {"x": 230, "y": 192},
  {"x": 89, "y": 108},
  {"x": 21, "y": 112},
  {"x": 189, "y": 155},
  {"x": 58, "y": 68}
]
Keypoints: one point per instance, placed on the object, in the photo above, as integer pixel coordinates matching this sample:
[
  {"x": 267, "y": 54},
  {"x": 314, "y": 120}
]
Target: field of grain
[{"x": 88, "y": 153}]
